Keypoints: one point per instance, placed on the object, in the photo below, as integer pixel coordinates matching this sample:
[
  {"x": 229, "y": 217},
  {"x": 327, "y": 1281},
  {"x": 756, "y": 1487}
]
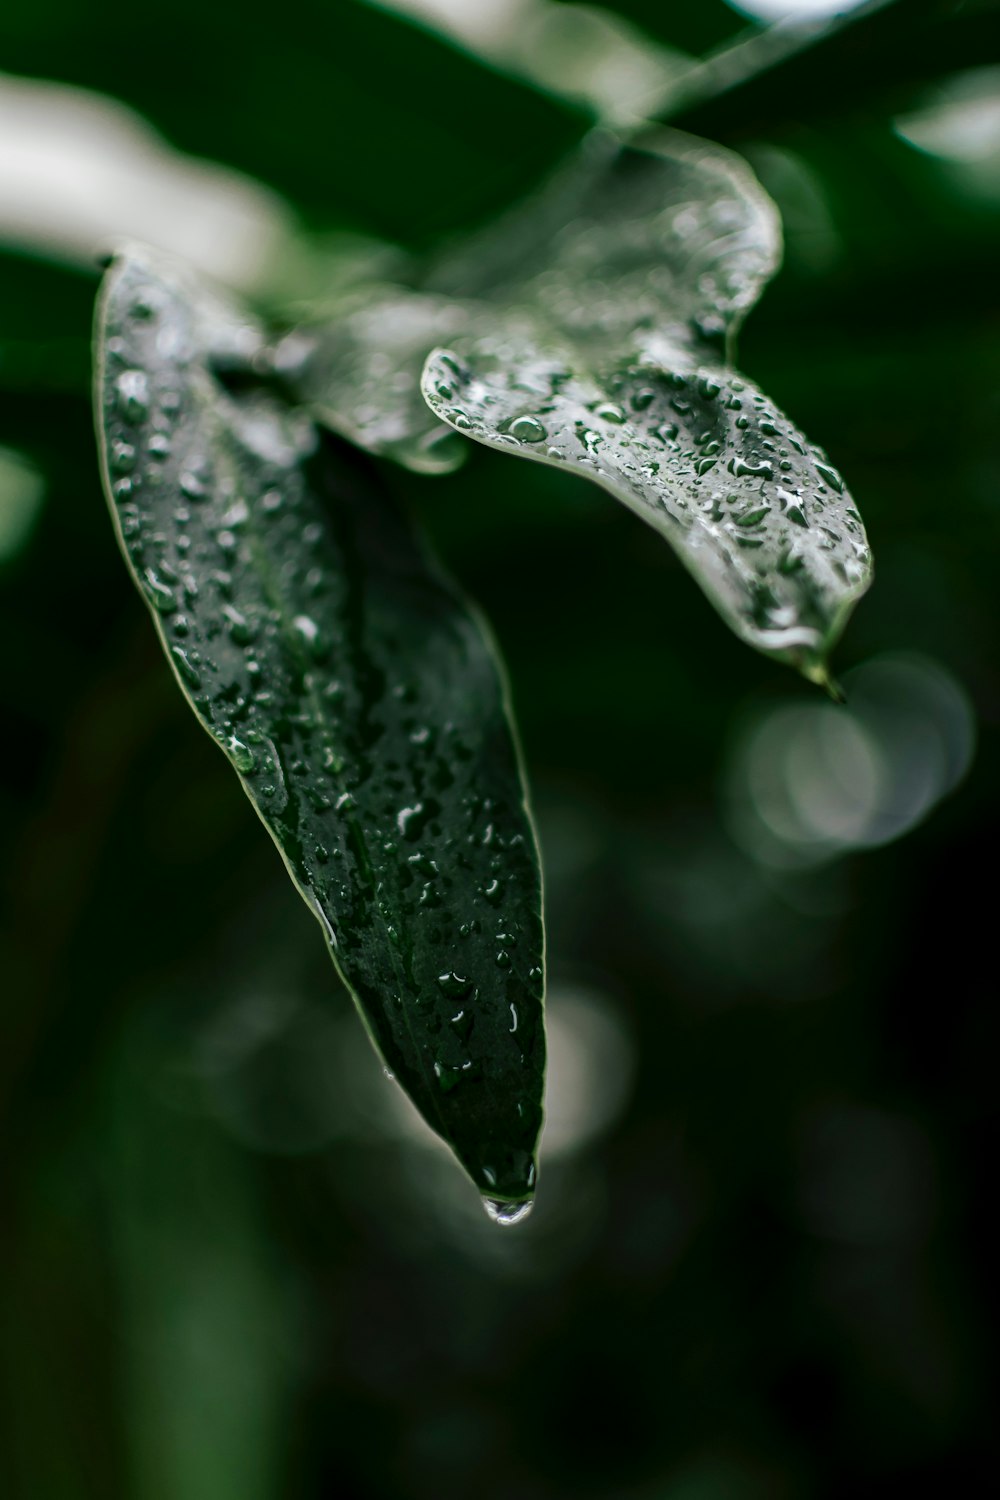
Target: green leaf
[
  {"x": 597, "y": 325},
  {"x": 356, "y": 695}
]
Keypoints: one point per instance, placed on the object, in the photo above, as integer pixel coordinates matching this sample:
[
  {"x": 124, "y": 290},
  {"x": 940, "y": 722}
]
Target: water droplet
[
  {"x": 831, "y": 476},
  {"x": 503, "y": 959},
  {"x": 462, "y": 1022},
  {"x": 410, "y": 820},
  {"x": 160, "y": 595},
  {"x": 311, "y": 634},
  {"x": 454, "y": 985},
  {"x": 528, "y": 430},
  {"x": 609, "y": 411},
  {"x": 447, "y": 1075},
  {"x": 240, "y": 628},
  {"x": 241, "y": 755},
  {"x": 123, "y": 458},
  {"x": 132, "y": 391},
  {"x": 753, "y": 517},
  {"x": 506, "y": 1214},
  {"x": 643, "y": 398},
  {"x": 493, "y": 892},
  {"x": 744, "y": 470},
  {"x": 185, "y": 667},
  {"x": 144, "y": 306},
  {"x": 236, "y": 515},
  {"x": 192, "y": 486}
]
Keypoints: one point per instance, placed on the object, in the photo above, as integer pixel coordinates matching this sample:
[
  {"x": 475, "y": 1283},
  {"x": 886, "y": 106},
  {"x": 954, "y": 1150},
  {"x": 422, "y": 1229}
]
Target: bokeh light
[
  {"x": 810, "y": 781},
  {"x": 22, "y": 490}
]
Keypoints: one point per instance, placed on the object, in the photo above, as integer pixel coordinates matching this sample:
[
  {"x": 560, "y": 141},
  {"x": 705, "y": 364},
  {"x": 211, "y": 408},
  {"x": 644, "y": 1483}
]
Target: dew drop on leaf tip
[{"x": 507, "y": 1214}]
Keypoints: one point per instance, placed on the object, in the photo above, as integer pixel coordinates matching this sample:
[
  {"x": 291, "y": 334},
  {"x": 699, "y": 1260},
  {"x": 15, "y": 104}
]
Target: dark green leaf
[{"x": 353, "y": 691}]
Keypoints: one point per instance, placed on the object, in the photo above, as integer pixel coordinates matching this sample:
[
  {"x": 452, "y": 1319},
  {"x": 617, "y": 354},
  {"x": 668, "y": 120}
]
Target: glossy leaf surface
[
  {"x": 597, "y": 325},
  {"x": 354, "y": 693}
]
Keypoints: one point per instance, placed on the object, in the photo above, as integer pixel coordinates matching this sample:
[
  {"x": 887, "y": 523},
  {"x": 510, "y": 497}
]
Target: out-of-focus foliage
[{"x": 760, "y": 1264}]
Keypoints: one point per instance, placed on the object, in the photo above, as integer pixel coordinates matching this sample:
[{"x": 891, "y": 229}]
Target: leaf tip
[{"x": 819, "y": 673}]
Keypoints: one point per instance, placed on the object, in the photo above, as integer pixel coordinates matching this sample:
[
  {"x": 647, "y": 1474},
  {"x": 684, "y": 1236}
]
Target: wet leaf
[
  {"x": 354, "y": 692},
  {"x": 594, "y": 329},
  {"x": 760, "y": 519},
  {"x": 362, "y": 374}
]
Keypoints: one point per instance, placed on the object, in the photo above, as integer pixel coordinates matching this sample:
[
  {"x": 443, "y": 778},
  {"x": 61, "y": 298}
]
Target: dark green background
[{"x": 194, "y": 1309}]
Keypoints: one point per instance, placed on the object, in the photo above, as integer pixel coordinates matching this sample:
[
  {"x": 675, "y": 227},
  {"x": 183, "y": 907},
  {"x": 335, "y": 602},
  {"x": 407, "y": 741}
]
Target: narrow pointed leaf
[{"x": 354, "y": 693}]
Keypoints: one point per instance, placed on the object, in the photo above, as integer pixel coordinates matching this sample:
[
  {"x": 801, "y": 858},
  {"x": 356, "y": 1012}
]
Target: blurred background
[{"x": 234, "y": 1266}]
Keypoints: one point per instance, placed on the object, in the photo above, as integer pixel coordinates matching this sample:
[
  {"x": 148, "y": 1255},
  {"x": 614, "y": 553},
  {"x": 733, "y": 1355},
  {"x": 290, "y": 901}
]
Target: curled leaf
[
  {"x": 593, "y": 329},
  {"x": 759, "y": 518}
]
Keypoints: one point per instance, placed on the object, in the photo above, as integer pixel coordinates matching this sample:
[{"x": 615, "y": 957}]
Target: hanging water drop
[{"x": 507, "y": 1214}]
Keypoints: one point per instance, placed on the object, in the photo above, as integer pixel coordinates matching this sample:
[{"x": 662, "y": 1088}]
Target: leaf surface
[
  {"x": 353, "y": 691},
  {"x": 594, "y": 328},
  {"x": 362, "y": 374}
]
